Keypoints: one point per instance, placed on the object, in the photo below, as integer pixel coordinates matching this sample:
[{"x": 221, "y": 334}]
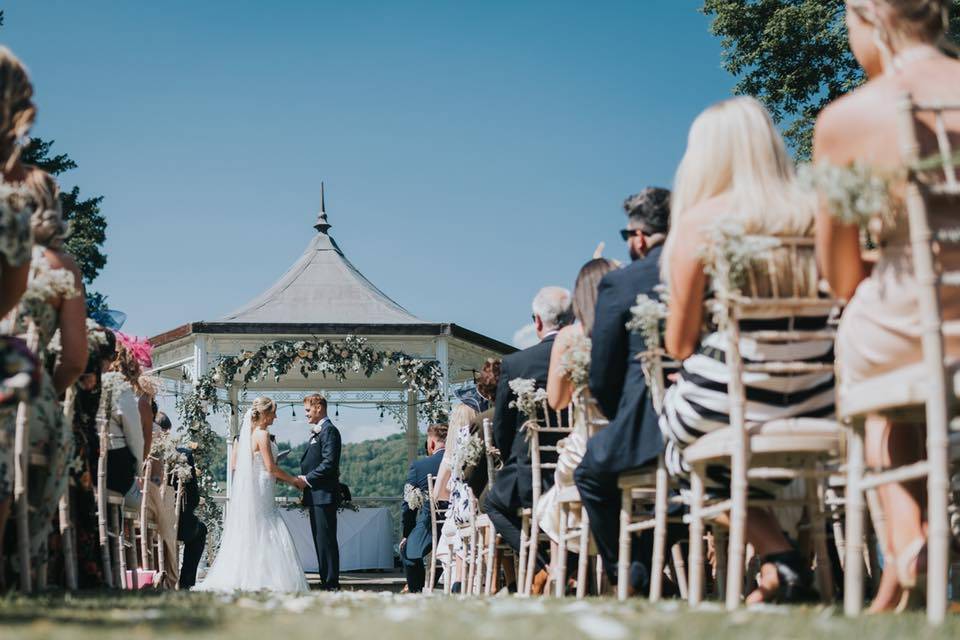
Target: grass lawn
[{"x": 383, "y": 616}]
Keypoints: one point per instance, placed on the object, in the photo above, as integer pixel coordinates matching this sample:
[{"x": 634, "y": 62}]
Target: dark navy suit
[
  {"x": 633, "y": 438},
  {"x": 191, "y": 531},
  {"x": 320, "y": 465},
  {"x": 513, "y": 487},
  {"x": 416, "y": 522}
]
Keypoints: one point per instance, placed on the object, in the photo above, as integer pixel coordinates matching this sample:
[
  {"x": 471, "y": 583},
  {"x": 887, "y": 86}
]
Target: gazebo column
[
  {"x": 234, "y": 428},
  {"x": 443, "y": 358},
  {"x": 413, "y": 432}
]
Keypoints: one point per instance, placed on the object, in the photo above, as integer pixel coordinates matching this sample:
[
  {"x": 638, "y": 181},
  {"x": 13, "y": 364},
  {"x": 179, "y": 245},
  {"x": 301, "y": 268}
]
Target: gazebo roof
[{"x": 322, "y": 287}]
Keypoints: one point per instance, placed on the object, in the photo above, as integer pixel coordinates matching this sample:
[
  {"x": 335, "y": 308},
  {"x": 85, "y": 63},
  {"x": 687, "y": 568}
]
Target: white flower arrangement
[
  {"x": 468, "y": 454},
  {"x": 528, "y": 397},
  {"x": 575, "y": 362},
  {"x": 728, "y": 254},
  {"x": 646, "y": 318},
  {"x": 413, "y": 496},
  {"x": 854, "y": 194}
]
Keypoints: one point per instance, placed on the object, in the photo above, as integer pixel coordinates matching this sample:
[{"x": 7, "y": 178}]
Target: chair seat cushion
[
  {"x": 901, "y": 388},
  {"x": 795, "y": 435}
]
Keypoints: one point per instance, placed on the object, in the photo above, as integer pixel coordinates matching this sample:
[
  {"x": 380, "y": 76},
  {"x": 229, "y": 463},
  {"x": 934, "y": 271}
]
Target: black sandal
[{"x": 794, "y": 576}]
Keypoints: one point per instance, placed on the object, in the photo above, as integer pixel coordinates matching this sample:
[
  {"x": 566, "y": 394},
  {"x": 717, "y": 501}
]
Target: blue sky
[{"x": 472, "y": 152}]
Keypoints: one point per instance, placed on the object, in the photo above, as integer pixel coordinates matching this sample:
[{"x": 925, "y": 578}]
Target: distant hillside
[{"x": 369, "y": 468}]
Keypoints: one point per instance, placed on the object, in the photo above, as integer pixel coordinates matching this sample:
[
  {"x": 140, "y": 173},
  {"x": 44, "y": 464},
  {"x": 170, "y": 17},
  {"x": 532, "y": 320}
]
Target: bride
[{"x": 256, "y": 551}]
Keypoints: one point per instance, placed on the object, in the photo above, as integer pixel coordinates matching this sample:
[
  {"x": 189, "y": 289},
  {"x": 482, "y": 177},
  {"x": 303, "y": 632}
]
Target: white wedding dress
[{"x": 256, "y": 551}]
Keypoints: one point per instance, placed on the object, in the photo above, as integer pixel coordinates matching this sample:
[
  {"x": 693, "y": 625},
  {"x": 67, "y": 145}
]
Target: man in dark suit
[
  {"x": 632, "y": 439},
  {"x": 320, "y": 466},
  {"x": 417, "y": 539},
  {"x": 513, "y": 488},
  {"x": 191, "y": 531}
]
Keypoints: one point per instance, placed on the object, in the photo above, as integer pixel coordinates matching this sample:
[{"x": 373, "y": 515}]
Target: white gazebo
[{"x": 324, "y": 297}]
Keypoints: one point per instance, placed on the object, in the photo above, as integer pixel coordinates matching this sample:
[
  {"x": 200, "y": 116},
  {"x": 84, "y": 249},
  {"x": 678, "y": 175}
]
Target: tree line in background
[
  {"x": 88, "y": 227},
  {"x": 792, "y": 55}
]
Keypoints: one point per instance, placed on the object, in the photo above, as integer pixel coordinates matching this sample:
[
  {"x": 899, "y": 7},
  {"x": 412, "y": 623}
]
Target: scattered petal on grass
[{"x": 602, "y": 627}]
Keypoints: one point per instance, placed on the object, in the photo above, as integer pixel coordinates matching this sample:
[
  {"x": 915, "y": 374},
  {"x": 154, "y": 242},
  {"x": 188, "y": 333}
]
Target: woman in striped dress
[{"x": 736, "y": 171}]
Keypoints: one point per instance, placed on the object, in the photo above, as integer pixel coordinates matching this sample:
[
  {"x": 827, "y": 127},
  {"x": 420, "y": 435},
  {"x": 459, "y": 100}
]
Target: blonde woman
[
  {"x": 256, "y": 551},
  {"x": 897, "y": 42},
  {"x": 736, "y": 169}
]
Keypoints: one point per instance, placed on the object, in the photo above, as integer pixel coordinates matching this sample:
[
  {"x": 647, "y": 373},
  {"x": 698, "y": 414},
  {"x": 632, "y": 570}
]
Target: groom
[{"x": 320, "y": 466}]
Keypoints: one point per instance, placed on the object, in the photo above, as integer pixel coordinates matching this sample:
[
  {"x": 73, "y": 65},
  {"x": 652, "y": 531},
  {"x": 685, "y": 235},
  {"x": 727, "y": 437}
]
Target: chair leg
[
  {"x": 533, "y": 544},
  {"x": 522, "y": 554},
  {"x": 66, "y": 534},
  {"x": 819, "y": 524},
  {"x": 695, "y": 570},
  {"x": 559, "y": 563},
  {"x": 738, "y": 530},
  {"x": 659, "y": 533},
  {"x": 623, "y": 551},
  {"x": 121, "y": 551},
  {"x": 680, "y": 570},
  {"x": 853, "y": 567},
  {"x": 491, "y": 561},
  {"x": 583, "y": 560},
  {"x": 836, "y": 521},
  {"x": 720, "y": 548},
  {"x": 938, "y": 518}
]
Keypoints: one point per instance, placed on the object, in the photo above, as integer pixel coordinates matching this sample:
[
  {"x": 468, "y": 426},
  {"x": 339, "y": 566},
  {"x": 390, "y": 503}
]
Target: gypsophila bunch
[
  {"x": 575, "y": 362},
  {"x": 646, "y": 318},
  {"x": 468, "y": 454},
  {"x": 413, "y": 496},
  {"x": 528, "y": 397},
  {"x": 854, "y": 194},
  {"x": 729, "y": 252}
]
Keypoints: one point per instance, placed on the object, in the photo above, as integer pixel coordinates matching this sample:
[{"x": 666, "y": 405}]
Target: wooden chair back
[
  {"x": 488, "y": 451},
  {"x": 932, "y": 198},
  {"x": 544, "y": 433}
]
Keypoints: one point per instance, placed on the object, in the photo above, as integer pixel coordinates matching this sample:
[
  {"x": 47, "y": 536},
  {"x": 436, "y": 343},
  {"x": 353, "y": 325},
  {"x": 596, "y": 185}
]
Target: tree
[
  {"x": 792, "y": 55},
  {"x": 87, "y": 224}
]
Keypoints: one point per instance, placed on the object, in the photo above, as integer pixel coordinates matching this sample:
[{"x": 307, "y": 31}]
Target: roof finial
[{"x": 322, "y": 225}]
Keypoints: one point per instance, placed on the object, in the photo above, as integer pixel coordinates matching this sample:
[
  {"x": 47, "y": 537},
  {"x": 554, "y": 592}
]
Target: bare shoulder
[{"x": 63, "y": 260}]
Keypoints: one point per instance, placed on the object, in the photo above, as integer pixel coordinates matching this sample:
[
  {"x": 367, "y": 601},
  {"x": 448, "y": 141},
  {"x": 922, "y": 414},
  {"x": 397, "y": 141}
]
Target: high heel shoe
[{"x": 913, "y": 583}]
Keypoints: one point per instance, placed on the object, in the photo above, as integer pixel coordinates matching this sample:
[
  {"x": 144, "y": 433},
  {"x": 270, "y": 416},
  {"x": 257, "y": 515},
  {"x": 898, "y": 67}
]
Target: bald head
[{"x": 551, "y": 310}]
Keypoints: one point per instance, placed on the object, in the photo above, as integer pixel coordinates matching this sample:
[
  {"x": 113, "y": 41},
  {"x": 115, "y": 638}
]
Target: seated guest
[
  {"x": 125, "y": 449},
  {"x": 632, "y": 439},
  {"x": 190, "y": 531},
  {"x": 162, "y": 509},
  {"x": 487, "y": 380},
  {"x": 415, "y": 514},
  {"x": 736, "y": 168},
  {"x": 897, "y": 43},
  {"x": 561, "y": 387},
  {"x": 513, "y": 488}
]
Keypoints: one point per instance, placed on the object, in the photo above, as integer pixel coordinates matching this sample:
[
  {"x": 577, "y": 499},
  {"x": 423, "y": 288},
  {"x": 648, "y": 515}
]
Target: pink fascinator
[{"x": 141, "y": 349}]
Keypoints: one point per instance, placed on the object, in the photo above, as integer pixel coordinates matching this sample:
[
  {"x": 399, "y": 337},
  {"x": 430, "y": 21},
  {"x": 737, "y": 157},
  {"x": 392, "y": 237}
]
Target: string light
[
  {"x": 293, "y": 411},
  {"x": 337, "y": 414}
]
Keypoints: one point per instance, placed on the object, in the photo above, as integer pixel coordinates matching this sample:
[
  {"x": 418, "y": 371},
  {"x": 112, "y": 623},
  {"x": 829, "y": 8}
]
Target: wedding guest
[
  {"x": 126, "y": 434},
  {"x": 132, "y": 356},
  {"x": 161, "y": 509},
  {"x": 897, "y": 43},
  {"x": 17, "y": 113},
  {"x": 415, "y": 513},
  {"x": 736, "y": 169},
  {"x": 190, "y": 530},
  {"x": 513, "y": 488},
  {"x": 487, "y": 380},
  {"x": 632, "y": 439},
  {"x": 53, "y": 303},
  {"x": 571, "y": 343}
]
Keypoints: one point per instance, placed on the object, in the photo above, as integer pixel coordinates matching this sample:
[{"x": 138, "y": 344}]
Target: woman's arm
[
  {"x": 262, "y": 440},
  {"x": 838, "y": 245},
  {"x": 440, "y": 490},
  {"x": 559, "y": 385},
  {"x": 129, "y": 411},
  {"x": 146, "y": 422},
  {"x": 73, "y": 330},
  {"x": 687, "y": 284},
  {"x": 233, "y": 456}
]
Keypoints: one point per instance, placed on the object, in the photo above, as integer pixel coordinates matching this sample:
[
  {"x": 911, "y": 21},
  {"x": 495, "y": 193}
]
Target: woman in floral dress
[
  {"x": 53, "y": 304},
  {"x": 17, "y": 377}
]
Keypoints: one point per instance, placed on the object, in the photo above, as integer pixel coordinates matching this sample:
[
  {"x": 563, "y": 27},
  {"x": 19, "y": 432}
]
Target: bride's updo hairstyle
[
  {"x": 17, "y": 111},
  {"x": 894, "y": 21},
  {"x": 261, "y": 407},
  {"x": 49, "y": 228}
]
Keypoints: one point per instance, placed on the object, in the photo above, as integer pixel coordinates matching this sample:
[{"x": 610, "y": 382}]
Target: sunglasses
[{"x": 626, "y": 234}]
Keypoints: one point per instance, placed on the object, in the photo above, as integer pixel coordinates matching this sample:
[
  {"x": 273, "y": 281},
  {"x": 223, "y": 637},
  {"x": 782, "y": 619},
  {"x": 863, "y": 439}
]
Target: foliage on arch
[{"x": 333, "y": 359}]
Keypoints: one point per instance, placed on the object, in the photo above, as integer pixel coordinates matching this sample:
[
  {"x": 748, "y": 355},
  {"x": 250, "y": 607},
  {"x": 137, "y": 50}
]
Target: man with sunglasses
[{"x": 632, "y": 439}]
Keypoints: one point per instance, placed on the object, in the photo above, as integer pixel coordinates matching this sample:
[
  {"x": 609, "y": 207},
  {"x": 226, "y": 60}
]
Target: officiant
[{"x": 320, "y": 469}]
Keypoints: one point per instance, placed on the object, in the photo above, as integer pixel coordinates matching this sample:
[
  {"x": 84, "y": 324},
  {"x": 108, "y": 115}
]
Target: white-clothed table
[{"x": 365, "y": 538}]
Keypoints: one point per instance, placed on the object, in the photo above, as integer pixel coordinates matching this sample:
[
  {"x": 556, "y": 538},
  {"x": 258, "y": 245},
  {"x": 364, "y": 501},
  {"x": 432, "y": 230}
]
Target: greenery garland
[{"x": 353, "y": 355}]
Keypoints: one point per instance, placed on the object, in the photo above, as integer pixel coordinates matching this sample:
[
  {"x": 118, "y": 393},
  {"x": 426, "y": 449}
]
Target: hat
[
  {"x": 649, "y": 210},
  {"x": 472, "y": 398}
]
